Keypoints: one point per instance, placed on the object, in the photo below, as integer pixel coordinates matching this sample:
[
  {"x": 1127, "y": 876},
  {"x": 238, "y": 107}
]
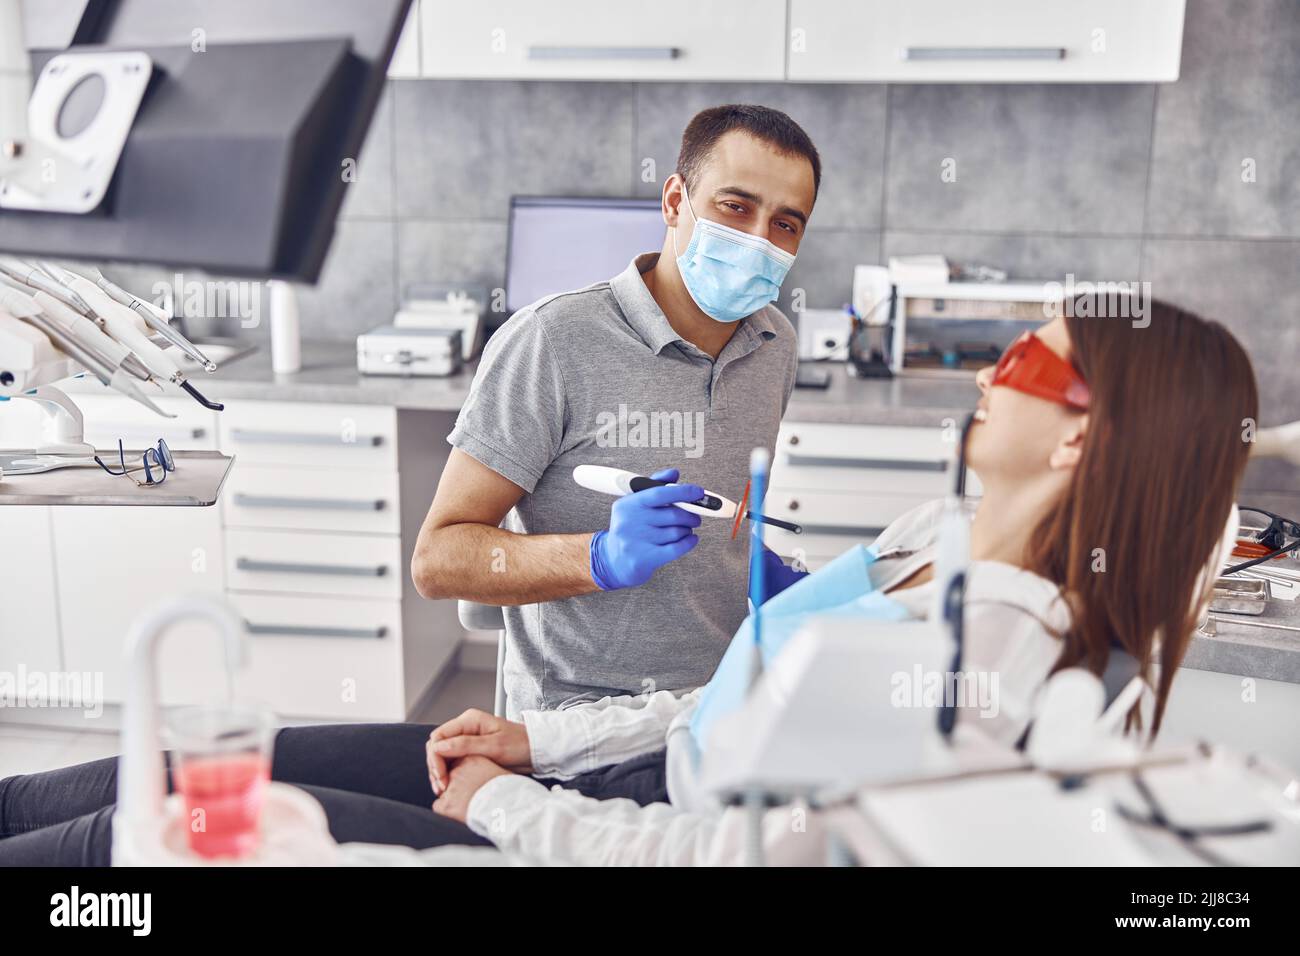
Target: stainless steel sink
[{"x": 222, "y": 351}]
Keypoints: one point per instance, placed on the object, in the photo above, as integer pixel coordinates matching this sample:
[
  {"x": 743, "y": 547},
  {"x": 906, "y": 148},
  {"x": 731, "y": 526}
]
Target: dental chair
[{"x": 488, "y": 617}]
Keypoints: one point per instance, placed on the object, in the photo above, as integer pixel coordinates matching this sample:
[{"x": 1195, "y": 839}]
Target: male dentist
[{"x": 680, "y": 363}]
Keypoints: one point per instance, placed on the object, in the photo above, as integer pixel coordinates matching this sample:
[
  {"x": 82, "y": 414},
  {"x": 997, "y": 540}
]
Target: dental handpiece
[
  {"x": 108, "y": 376},
  {"x": 91, "y": 335},
  {"x": 616, "y": 481},
  {"x": 28, "y": 280},
  {"x": 154, "y": 317},
  {"x": 34, "y": 278},
  {"x": 121, "y": 323}
]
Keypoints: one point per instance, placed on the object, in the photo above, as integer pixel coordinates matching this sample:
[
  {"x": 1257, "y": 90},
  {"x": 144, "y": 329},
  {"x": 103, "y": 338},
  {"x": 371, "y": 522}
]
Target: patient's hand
[
  {"x": 476, "y": 733},
  {"x": 467, "y": 776}
]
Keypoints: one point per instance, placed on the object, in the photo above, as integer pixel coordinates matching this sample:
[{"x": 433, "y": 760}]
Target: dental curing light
[{"x": 617, "y": 482}]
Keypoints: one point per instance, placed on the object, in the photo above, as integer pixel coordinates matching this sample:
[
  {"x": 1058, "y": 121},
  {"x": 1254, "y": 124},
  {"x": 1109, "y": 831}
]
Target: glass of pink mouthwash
[{"x": 221, "y": 765}]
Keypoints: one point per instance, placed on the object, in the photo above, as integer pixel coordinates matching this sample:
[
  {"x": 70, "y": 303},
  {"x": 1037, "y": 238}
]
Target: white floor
[{"x": 26, "y": 748}]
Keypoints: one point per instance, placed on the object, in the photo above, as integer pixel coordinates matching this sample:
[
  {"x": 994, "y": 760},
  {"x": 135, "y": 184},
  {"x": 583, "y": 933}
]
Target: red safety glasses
[{"x": 1029, "y": 366}]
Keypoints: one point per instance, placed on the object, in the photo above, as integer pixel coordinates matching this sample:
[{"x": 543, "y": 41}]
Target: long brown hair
[{"x": 1171, "y": 405}]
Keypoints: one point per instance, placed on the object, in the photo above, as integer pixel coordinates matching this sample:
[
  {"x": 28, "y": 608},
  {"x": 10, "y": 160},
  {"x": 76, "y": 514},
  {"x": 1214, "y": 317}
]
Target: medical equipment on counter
[
  {"x": 389, "y": 350},
  {"x": 617, "y": 482},
  {"x": 1234, "y": 596},
  {"x": 149, "y": 828},
  {"x": 431, "y": 305},
  {"x": 824, "y": 334},
  {"x": 1279, "y": 538}
]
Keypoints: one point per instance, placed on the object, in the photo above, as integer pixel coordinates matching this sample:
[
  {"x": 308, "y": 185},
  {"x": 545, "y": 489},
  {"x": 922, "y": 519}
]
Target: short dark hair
[{"x": 771, "y": 126}]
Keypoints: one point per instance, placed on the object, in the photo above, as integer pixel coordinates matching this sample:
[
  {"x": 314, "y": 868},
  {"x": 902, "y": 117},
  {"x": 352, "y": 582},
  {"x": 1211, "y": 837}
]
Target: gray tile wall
[{"x": 1105, "y": 181}]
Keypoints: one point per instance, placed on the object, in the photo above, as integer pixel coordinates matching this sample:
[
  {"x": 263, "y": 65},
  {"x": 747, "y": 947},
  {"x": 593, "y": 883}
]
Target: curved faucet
[{"x": 141, "y": 777}]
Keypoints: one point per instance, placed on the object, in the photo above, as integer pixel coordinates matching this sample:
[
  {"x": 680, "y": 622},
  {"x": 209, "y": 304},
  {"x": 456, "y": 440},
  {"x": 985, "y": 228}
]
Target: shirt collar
[{"x": 648, "y": 320}]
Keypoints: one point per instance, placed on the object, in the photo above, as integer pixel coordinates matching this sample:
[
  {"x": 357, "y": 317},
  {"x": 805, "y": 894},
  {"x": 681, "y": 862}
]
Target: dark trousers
[{"x": 371, "y": 779}]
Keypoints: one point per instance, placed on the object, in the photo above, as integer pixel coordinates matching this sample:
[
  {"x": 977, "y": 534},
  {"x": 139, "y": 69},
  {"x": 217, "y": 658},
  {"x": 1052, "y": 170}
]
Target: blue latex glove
[
  {"x": 646, "y": 531},
  {"x": 777, "y": 575}
]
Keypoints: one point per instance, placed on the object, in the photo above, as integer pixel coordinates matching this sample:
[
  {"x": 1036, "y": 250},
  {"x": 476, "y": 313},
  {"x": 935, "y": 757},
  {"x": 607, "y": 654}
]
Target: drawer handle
[
  {"x": 304, "y": 630},
  {"x": 301, "y": 438},
  {"x": 932, "y": 53},
  {"x": 173, "y": 435},
  {"x": 316, "y": 504},
  {"x": 842, "y": 529},
  {"x": 293, "y": 567},
  {"x": 882, "y": 464},
  {"x": 604, "y": 52}
]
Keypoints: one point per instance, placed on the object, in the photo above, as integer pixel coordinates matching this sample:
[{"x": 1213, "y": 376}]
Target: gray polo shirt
[{"x": 599, "y": 377}]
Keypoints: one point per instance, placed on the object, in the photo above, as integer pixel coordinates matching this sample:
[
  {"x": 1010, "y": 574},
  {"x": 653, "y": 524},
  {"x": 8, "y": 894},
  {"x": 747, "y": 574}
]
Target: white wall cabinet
[
  {"x": 599, "y": 40},
  {"x": 1007, "y": 41},
  {"x": 862, "y": 41},
  {"x": 405, "y": 64}
]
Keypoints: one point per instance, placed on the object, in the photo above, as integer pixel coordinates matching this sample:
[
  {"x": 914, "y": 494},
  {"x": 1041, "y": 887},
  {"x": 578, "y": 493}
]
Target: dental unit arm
[{"x": 54, "y": 325}]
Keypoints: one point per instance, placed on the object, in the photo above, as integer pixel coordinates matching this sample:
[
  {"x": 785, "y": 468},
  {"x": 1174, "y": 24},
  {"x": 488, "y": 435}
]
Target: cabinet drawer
[
  {"x": 951, "y": 41},
  {"x": 323, "y": 657},
  {"x": 595, "y": 40},
  {"x": 833, "y": 521},
  {"x": 865, "y": 458},
  {"x": 920, "y": 450},
  {"x": 316, "y": 436},
  {"x": 273, "y": 496},
  {"x": 307, "y": 562}
]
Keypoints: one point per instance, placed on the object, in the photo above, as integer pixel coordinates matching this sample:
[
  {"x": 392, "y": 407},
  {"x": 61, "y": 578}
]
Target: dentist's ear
[
  {"x": 1066, "y": 455},
  {"x": 671, "y": 201}
]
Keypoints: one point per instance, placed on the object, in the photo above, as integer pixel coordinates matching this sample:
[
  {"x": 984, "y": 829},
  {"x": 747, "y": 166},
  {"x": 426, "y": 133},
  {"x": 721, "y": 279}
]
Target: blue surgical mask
[{"x": 730, "y": 274}]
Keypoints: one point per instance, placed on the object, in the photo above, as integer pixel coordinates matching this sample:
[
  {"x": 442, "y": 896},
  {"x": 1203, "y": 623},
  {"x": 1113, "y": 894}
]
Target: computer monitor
[{"x": 560, "y": 243}]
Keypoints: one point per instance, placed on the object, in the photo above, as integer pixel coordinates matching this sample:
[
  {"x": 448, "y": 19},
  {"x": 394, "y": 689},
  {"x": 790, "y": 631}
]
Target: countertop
[
  {"x": 329, "y": 374},
  {"x": 1258, "y": 647}
]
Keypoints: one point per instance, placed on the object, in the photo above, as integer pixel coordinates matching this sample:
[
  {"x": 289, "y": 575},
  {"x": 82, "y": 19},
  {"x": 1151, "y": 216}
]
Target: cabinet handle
[
  {"x": 855, "y": 531},
  {"x": 292, "y": 567},
  {"x": 604, "y": 52},
  {"x": 301, "y": 438},
  {"x": 794, "y": 440},
  {"x": 793, "y": 504},
  {"x": 151, "y": 434},
  {"x": 321, "y": 504},
  {"x": 932, "y": 53},
  {"x": 303, "y": 630},
  {"x": 882, "y": 464}
]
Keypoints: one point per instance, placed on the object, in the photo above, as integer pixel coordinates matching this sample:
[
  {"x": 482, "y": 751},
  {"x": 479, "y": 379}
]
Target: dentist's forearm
[{"x": 475, "y": 562}]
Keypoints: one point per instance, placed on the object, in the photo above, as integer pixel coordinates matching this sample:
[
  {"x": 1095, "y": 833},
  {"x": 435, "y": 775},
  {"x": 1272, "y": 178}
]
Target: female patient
[{"x": 1094, "y": 437}]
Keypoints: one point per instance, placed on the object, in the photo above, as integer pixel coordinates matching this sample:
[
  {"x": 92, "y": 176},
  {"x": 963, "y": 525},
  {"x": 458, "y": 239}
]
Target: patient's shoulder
[{"x": 912, "y": 530}]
